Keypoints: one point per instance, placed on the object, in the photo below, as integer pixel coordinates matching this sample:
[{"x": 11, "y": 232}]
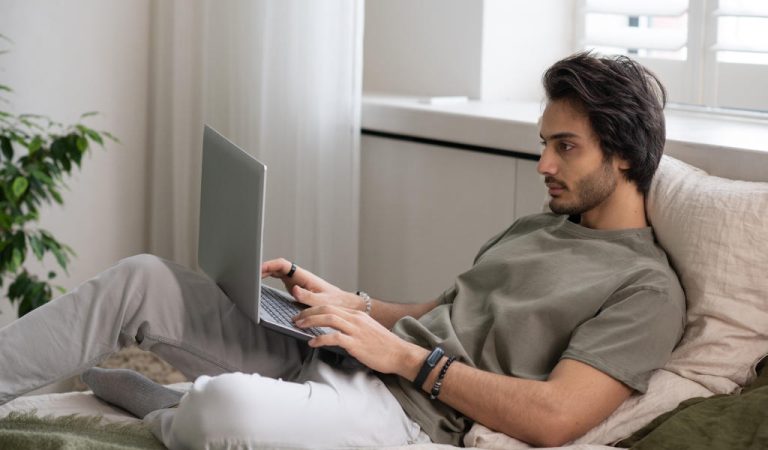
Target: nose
[{"x": 547, "y": 163}]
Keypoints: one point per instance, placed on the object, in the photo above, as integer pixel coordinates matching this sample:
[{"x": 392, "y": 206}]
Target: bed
[{"x": 714, "y": 232}]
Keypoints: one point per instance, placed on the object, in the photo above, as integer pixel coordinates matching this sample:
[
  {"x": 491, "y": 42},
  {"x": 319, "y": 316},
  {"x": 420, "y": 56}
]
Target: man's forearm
[
  {"x": 520, "y": 408},
  {"x": 525, "y": 409},
  {"x": 574, "y": 399},
  {"x": 388, "y": 314}
]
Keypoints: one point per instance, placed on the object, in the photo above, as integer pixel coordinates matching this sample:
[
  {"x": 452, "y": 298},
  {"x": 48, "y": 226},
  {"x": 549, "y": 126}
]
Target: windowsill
[{"x": 513, "y": 125}]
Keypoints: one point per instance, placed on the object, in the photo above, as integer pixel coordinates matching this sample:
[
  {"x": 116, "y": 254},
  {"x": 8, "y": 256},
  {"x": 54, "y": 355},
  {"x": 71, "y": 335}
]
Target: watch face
[{"x": 435, "y": 356}]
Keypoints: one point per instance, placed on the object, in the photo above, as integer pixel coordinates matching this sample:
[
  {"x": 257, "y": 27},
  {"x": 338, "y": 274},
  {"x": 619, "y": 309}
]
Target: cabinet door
[
  {"x": 530, "y": 191},
  {"x": 425, "y": 211}
]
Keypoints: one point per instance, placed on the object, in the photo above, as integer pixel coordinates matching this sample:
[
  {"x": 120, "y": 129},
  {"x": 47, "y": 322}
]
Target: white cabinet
[{"x": 426, "y": 210}]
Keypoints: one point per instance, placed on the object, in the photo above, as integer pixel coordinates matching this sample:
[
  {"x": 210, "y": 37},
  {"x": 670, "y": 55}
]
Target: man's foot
[{"x": 130, "y": 390}]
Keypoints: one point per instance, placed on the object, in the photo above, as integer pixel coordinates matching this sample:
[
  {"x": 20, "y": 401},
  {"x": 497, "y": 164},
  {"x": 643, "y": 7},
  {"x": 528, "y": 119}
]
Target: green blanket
[
  {"x": 26, "y": 431},
  {"x": 731, "y": 422}
]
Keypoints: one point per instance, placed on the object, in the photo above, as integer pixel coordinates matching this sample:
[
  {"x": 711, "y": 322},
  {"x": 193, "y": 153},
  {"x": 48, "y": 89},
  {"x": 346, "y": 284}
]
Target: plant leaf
[
  {"x": 5, "y": 223},
  {"x": 35, "y": 144},
  {"x": 7, "y": 147},
  {"x": 20, "y": 185},
  {"x": 16, "y": 259},
  {"x": 37, "y": 246},
  {"x": 110, "y": 136},
  {"x": 96, "y": 137},
  {"x": 18, "y": 286},
  {"x": 61, "y": 258},
  {"x": 38, "y": 174},
  {"x": 56, "y": 196},
  {"x": 82, "y": 144},
  {"x": 89, "y": 114}
]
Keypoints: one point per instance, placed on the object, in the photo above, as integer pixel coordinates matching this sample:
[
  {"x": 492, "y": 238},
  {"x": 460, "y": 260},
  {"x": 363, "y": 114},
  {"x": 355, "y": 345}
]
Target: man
[{"x": 560, "y": 319}]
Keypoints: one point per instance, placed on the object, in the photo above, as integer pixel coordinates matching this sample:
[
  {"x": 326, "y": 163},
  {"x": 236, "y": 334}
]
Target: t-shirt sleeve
[
  {"x": 633, "y": 335},
  {"x": 447, "y": 296}
]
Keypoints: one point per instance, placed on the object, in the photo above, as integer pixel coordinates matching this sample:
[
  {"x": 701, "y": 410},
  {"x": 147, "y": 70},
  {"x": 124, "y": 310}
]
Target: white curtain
[{"x": 282, "y": 79}]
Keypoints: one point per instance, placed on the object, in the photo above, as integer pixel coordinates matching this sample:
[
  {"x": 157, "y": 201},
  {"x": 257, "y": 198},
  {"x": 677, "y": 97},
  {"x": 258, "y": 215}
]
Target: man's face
[{"x": 574, "y": 168}]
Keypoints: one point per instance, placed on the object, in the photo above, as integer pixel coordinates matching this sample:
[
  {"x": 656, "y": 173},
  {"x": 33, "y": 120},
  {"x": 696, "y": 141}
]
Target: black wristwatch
[{"x": 429, "y": 364}]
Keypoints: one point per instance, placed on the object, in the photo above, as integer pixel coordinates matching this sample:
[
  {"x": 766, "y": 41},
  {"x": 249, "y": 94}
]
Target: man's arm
[
  {"x": 575, "y": 398},
  {"x": 550, "y": 413},
  {"x": 387, "y": 313},
  {"x": 312, "y": 290}
]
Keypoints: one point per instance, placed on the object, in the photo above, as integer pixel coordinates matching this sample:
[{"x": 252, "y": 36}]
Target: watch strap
[{"x": 429, "y": 363}]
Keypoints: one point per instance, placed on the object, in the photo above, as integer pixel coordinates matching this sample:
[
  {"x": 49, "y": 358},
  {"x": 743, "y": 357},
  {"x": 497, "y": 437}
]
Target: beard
[{"x": 590, "y": 191}]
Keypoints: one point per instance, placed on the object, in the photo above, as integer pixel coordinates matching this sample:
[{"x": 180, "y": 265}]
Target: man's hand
[
  {"x": 312, "y": 290},
  {"x": 303, "y": 281},
  {"x": 364, "y": 338}
]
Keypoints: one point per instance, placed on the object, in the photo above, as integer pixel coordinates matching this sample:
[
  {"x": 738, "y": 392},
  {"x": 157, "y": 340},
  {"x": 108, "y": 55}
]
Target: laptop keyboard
[{"x": 283, "y": 311}]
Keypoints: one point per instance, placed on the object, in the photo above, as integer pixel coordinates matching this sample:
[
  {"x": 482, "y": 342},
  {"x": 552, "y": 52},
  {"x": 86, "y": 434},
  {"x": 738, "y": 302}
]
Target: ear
[{"x": 622, "y": 163}]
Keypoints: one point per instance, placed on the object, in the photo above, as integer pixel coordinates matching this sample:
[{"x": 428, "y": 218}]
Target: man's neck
[{"x": 624, "y": 209}]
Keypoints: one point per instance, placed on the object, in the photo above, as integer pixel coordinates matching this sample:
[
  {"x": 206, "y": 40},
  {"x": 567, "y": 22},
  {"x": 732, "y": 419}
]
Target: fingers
[
  {"x": 325, "y": 320},
  {"x": 331, "y": 339},
  {"x": 306, "y": 297},
  {"x": 277, "y": 268},
  {"x": 309, "y": 298},
  {"x": 327, "y": 316}
]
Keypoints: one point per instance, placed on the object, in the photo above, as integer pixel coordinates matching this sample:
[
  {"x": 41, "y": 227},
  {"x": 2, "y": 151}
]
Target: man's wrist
[
  {"x": 412, "y": 359},
  {"x": 353, "y": 301}
]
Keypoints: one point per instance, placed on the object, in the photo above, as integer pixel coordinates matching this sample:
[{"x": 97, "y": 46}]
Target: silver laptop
[{"x": 229, "y": 242}]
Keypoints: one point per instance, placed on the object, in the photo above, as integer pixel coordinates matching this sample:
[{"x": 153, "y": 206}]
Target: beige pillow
[{"x": 715, "y": 232}]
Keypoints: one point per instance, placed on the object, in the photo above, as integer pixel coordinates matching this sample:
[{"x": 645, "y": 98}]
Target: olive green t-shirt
[{"x": 543, "y": 290}]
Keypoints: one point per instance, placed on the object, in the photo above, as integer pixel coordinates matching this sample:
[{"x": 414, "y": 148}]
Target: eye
[{"x": 564, "y": 146}]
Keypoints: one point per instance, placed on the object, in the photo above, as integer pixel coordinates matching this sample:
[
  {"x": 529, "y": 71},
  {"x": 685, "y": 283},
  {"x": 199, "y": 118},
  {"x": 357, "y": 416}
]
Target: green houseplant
[{"x": 36, "y": 154}]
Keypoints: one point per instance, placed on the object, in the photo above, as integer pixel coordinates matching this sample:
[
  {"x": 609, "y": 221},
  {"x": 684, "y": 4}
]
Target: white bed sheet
[{"x": 86, "y": 404}]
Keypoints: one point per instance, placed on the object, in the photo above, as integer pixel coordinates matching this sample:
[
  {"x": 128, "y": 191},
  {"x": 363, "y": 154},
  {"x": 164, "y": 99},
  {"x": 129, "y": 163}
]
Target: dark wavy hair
[{"x": 625, "y": 105}]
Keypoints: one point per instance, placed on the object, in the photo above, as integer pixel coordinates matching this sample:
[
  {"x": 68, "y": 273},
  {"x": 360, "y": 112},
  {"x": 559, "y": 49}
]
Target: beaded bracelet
[
  {"x": 439, "y": 382},
  {"x": 366, "y": 301}
]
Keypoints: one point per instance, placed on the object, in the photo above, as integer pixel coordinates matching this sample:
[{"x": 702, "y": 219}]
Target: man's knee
[
  {"x": 142, "y": 263},
  {"x": 231, "y": 408},
  {"x": 145, "y": 270}
]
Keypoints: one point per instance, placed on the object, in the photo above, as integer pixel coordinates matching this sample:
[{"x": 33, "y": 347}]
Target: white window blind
[
  {"x": 742, "y": 31},
  {"x": 649, "y": 28},
  {"x": 707, "y": 52}
]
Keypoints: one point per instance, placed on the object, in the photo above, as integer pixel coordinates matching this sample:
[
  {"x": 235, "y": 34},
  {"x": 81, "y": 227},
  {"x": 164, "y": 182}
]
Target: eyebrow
[{"x": 561, "y": 135}]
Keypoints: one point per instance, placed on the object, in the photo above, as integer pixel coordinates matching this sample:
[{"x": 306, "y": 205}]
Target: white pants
[{"x": 186, "y": 319}]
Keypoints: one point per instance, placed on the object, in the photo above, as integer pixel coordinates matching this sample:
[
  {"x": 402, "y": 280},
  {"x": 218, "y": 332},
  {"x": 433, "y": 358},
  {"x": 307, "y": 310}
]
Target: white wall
[
  {"x": 521, "y": 39},
  {"x": 483, "y": 49},
  {"x": 69, "y": 57},
  {"x": 423, "y": 47}
]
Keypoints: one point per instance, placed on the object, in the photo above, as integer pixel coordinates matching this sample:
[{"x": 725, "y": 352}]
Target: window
[{"x": 707, "y": 52}]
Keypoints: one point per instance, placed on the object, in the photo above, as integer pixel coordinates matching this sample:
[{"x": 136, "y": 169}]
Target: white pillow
[{"x": 715, "y": 232}]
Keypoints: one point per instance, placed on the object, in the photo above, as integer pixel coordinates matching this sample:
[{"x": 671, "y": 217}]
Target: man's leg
[
  {"x": 330, "y": 409},
  {"x": 178, "y": 314}
]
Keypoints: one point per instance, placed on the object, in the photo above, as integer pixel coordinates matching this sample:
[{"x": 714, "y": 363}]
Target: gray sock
[{"x": 130, "y": 390}]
